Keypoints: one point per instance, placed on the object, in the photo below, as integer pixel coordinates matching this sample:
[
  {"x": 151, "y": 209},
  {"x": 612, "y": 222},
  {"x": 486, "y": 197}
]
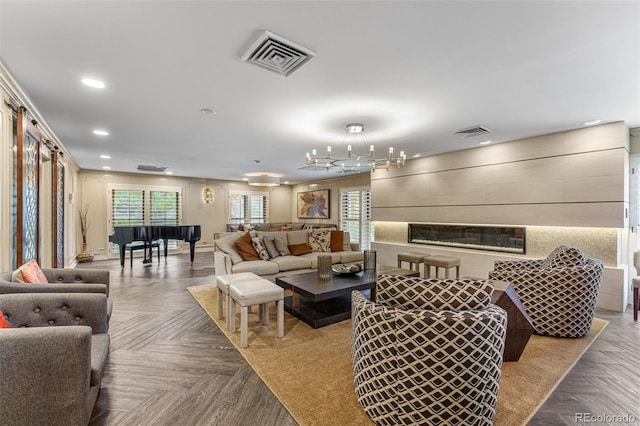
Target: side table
[{"x": 519, "y": 328}]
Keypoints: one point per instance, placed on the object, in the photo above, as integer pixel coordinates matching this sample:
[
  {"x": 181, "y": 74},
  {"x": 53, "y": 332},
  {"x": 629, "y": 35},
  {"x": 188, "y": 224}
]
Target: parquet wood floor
[{"x": 170, "y": 364}]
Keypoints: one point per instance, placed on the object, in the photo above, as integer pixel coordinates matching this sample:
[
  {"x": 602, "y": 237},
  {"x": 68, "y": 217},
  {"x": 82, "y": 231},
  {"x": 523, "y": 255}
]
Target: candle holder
[
  {"x": 324, "y": 267},
  {"x": 370, "y": 261}
]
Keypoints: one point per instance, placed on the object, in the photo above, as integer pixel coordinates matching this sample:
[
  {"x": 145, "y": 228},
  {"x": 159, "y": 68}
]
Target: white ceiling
[{"x": 412, "y": 72}]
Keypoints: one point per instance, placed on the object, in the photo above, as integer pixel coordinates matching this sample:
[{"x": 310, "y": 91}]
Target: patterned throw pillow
[
  {"x": 31, "y": 273},
  {"x": 568, "y": 258},
  {"x": 320, "y": 240},
  {"x": 270, "y": 244},
  {"x": 261, "y": 249}
]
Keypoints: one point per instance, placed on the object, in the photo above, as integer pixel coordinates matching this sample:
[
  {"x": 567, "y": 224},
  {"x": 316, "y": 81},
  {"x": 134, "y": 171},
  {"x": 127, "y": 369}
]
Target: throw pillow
[
  {"x": 337, "y": 238},
  {"x": 320, "y": 241},
  {"x": 299, "y": 249},
  {"x": 31, "y": 272},
  {"x": 3, "y": 321},
  {"x": 286, "y": 228},
  {"x": 281, "y": 245},
  {"x": 261, "y": 249},
  {"x": 270, "y": 244},
  {"x": 245, "y": 248},
  {"x": 568, "y": 258}
]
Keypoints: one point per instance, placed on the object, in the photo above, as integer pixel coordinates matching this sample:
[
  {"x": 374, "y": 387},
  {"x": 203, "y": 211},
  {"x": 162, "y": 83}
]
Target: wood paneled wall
[{"x": 572, "y": 178}]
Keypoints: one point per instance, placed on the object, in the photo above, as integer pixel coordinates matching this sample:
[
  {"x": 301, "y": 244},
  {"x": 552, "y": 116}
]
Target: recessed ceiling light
[
  {"x": 286, "y": 182},
  {"x": 591, "y": 122},
  {"x": 106, "y": 167},
  {"x": 101, "y": 132},
  {"x": 485, "y": 143},
  {"x": 245, "y": 179},
  {"x": 208, "y": 111},
  {"x": 105, "y": 156},
  {"x": 91, "y": 82},
  {"x": 415, "y": 156},
  {"x": 169, "y": 173}
]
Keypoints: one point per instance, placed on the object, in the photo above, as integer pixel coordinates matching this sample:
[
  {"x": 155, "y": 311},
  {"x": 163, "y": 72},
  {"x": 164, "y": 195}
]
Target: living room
[{"x": 543, "y": 169}]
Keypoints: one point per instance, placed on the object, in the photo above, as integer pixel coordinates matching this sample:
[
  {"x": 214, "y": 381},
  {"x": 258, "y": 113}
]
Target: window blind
[
  {"x": 355, "y": 216},
  {"x": 248, "y": 208}
]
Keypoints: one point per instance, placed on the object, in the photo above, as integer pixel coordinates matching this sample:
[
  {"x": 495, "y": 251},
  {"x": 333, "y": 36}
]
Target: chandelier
[{"x": 353, "y": 155}]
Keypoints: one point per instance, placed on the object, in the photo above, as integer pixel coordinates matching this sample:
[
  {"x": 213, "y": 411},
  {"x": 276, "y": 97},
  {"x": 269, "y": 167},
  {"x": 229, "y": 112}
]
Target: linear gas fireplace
[{"x": 494, "y": 238}]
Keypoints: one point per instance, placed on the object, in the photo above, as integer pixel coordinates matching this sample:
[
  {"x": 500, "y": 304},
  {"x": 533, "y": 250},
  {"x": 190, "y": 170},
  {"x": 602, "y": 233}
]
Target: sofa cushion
[
  {"x": 270, "y": 245},
  {"x": 298, "y": 249},
  {"x": 297, "y": 237},
  {"x": 245, "y": 248},
  {"x": 258, "y": 267},
  {"x": 31, "y": 273},
  {"x": 227, "y": 245},
  {"x": 290, "y": 263},
  {"x": 3, "y": 321},
  {"x": 351, "y": 256},
  {"x": 320, "y": 240},
  {"x": 261, "y": 249}
]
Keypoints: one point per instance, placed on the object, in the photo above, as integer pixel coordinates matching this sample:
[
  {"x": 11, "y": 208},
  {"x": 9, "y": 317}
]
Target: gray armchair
[
  {"x": 428, "y": 351},
  {"x": 62, "y": 280},
  {"x": 559, "y": 293},
  {"x": 52, "y": 358}
]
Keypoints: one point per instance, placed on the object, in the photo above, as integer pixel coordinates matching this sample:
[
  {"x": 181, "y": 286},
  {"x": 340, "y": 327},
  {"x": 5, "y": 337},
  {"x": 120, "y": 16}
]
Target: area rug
[{"x": 309, "y": 370}]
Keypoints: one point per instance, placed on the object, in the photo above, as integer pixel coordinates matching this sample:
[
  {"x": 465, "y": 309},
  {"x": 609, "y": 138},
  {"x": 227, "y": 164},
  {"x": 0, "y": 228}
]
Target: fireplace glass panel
[{"x": 494, "y": 238}]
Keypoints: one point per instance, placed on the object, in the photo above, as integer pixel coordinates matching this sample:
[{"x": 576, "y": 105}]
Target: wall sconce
[{"x": 207, "y": 195}]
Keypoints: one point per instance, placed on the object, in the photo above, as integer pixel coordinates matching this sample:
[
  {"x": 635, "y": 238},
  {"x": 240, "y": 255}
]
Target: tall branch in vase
[{"x": 84, "y": 255}]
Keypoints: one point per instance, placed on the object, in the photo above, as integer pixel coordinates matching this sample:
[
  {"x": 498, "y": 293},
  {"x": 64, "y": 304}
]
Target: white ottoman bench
[
  {"x": 254, "y": 292},
  {"x": 223, "y": 282}
]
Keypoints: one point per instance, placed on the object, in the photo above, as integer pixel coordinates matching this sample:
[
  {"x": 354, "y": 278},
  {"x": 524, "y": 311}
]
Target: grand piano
[{"x": 124, "y": 235}]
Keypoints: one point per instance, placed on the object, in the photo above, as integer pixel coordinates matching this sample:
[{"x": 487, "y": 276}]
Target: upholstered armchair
[
  {"x": 52, "y": 357},
  {"x": 428, "y": 351},
  {"x": 559, "y": 293},
  {"x": 62, "y": 280}
]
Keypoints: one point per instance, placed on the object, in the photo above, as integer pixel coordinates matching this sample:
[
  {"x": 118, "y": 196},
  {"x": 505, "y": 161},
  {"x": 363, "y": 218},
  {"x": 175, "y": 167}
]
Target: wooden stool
[
  {"x": 223, "y": 282},
  {"x": 255, "y": 292},
  {"x": 438, "y": 262},
  {"x": 414, "y": 259}
]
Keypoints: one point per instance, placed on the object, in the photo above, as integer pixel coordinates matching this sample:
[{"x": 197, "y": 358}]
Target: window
[
  {"x": 134, "y": 206},
  {"x": 247, "y": 208},
  {"x": 355, "y": 216}
]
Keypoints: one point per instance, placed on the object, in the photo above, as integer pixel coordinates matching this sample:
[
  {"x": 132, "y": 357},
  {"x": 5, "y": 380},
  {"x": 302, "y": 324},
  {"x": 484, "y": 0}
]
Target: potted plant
[{"x": 84, "y": 255}]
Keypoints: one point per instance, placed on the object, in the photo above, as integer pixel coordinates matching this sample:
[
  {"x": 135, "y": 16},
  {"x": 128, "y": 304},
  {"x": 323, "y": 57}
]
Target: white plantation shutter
[
  {"x": 165, "y": 208},
  {"x": 248, "y": 208},
  {"x": 127, "y": 207},
  {"x": 355, "y": 216}
]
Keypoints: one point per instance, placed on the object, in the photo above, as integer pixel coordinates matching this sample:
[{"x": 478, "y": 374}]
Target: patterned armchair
[
  {"x": 559, "y": 293},
  {"x": 428, "y": 351}
]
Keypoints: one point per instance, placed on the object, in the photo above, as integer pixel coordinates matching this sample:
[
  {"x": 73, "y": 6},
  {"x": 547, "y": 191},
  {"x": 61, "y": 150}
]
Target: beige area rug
[{"x": 309, "y": 370}]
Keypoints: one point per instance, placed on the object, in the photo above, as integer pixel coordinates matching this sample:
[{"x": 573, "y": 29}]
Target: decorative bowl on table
[{"x": 347, "y": 269}]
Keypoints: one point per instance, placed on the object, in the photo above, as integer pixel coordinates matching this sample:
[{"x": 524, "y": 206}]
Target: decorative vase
[
  {"x": 84, "y": 255},
  {"x": 370, "y": 261},
  {"x": 324, "y": 267}
]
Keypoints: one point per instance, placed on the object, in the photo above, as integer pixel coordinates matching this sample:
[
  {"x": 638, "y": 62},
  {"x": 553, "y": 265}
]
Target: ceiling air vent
[
  {"x": 472, "y": 131},
  {"x": 147, "y": 168},
  {"x": 277, "y": 54}
]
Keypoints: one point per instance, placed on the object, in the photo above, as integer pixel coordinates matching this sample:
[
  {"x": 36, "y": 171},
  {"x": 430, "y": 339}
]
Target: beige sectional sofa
[
  {"x": 270, "y": 226},
  {"x": 228, "y": 260}
]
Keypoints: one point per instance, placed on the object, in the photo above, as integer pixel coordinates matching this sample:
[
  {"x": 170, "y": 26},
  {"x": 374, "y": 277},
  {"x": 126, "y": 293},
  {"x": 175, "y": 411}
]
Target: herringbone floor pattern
[{"x": 170, "y": 364}]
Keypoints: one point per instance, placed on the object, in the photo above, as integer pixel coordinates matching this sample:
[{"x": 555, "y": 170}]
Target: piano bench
[{"x": 142, "y": 246}]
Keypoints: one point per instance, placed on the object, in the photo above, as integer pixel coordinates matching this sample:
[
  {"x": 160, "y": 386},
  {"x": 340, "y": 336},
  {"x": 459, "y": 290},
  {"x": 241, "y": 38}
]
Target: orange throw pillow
[
  {"x": 298, "y": 249},
  {"x": 245, "y": 248},
  {"x": 3, "y": 321},
  {"x": 337, "y": 240},
  {"x": 31, "y": 273}
]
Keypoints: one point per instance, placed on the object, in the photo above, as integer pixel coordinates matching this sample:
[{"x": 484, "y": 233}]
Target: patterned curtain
[
  {"x": 28, "y": 194},
  {"x": 58, "y": 210}
]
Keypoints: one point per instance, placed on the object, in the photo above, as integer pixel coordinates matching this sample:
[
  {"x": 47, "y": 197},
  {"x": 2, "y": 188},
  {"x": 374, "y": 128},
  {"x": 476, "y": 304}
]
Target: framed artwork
[{"x": 314, "y": 204}]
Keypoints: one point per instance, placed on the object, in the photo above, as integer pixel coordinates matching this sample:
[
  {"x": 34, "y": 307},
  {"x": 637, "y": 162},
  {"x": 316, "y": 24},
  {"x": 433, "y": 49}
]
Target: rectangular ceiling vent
[
  {"x": 472, "y": 131},
  {"x": 277, "y": 54},
  {"x": 147, "y": 168}
]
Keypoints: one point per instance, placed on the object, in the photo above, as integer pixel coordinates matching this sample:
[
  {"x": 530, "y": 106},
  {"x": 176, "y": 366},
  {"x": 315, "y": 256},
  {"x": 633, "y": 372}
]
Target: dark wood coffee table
[
  {"x": 319, "y": 303},
  {"x": 519, "y": 328}
]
